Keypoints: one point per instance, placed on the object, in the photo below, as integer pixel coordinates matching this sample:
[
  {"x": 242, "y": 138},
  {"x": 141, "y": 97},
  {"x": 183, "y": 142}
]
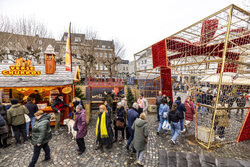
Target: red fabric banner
[
  {"x": 166, "y": 82},
  {"x": 159, "y": 54},
  {"x": 245, "y": 129}
]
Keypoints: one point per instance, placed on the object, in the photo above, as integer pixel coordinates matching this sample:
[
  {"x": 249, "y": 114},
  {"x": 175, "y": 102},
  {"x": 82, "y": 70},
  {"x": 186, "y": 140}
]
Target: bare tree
[
  {"x": 84, "y": 53},
  {"x": 113, "y": 61},
  {"x": 25, "y": 37}
]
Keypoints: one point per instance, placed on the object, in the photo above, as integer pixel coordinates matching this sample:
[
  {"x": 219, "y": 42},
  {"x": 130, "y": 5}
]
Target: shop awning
[{"x": 59, "y": 78}]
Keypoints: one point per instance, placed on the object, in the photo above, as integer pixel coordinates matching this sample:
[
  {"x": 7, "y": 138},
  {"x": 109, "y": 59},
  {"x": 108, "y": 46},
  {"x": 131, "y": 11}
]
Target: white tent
[{"x": 227, "y": 79}]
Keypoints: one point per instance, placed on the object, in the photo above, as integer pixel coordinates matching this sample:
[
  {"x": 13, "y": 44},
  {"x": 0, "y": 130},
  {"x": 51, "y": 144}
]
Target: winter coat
[
  {"x": 143, "y": 103},
  {"x": 221, "y": 118},
  {"x": 174, "y": 116},
  {"x": 189, "y": 110},
  {"x": 109, "y": 140},
  {"x": 121, "y": 114},
  {"x": 181, "y": 108},
  {"x": 4, "y": 129},
  {"x": 131, "y": 116},
  {"x": 163, "y": 108},
  {"x": 241, "y": 102},
  {"x": 141, "y": 134},
  {"x": 58, "y": 104},
  {"x": 15, "y": 115},
  {"x": 41, "y": 132},
  {"x": 158, "y": 100},
  {"x": 32, "y": 108},
  {"x": 81, "y": 124}
]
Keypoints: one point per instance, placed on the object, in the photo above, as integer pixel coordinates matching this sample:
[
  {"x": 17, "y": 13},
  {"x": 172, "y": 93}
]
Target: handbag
[
  {"x": 119, "y": 124},
  {"x": 27, "y": 118},
  {"x": 166, "y": 125}
]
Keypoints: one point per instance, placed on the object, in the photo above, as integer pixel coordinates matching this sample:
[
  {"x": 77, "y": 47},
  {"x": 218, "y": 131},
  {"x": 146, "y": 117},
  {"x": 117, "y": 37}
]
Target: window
[
  {"x": 109, "y": 47},
  {"x": 123, "y": 68},
  {"x": 77, "y": 39},
  {"x": 127, "y": 68},
  {"x": 105, "y": 68},
  {"x": 145, "y": 61},
  {"x": 110, "y": 55},
  {"x": 101, "y": 54},
  {"x": 105, "y": 55},
  {"x": 103, "y": 46},
  {"x": 65, "y": 38},
  {"x": 96, "y": 66},
  {"x": 40, "y": 42},
  {"x": 96, "y": 54}
]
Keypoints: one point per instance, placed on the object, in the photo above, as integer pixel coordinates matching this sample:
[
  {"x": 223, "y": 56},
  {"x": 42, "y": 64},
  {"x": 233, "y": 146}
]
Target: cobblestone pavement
[{"x": 63, "y": 150}]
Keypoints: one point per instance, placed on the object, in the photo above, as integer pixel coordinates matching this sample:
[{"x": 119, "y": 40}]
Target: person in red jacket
[{"x": 189, "y": 114}]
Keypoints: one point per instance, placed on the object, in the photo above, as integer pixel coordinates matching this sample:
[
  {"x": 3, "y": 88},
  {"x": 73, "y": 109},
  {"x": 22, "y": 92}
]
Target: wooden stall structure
[
  {"x": 210, "y": 60},
  {"x": 19, "y": 81}
]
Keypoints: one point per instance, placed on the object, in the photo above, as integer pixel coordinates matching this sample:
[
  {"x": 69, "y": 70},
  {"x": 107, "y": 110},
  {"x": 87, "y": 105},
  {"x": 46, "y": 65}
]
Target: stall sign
[{"x": 21, "y": 71}]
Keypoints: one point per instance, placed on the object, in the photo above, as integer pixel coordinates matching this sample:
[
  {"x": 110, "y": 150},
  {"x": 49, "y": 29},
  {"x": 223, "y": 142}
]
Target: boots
[{"x": 5, "y": 145}]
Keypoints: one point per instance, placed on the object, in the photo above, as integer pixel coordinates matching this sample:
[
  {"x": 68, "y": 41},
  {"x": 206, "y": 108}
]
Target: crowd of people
[
  {"x": 171, "y": 115},
  {"x": 131, "y": 122}
]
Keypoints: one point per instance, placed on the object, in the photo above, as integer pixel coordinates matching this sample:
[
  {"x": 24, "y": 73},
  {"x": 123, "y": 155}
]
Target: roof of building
[
  {"x": 73, "y": 36},
  {"x": 123, "y": 62},
  {"x": 59, "y": 78}
]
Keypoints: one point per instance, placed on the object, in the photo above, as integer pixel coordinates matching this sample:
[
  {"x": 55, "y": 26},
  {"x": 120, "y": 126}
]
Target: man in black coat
[
  {"x": 57, "y": 106},
  {"x": 32, "y": 107},
  {"x": 241, "y": 102},
  {"x": 181, "y": 108},
  {"x": 36, "y": 96}
]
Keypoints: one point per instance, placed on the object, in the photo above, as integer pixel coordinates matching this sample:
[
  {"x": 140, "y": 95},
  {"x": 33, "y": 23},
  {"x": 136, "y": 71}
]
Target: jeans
[
  {"x": 175, "y": 130},
  {"x": 116, "y": 132},
  {"x": 58, "y": 120},
  {"x": 160, "y": 124},
  {"x": 32, "y": 122},
  {"x": 139, "y": 155},
  {"x": 242, "y": 112},
  {"x": 36, "y": 153},
  {"x": 158, "y": 116},
  {"x": 131, "y": 132},
  {"x": 81, "y": 144},
  {"x": 20, "y": 129},
  {"x": 182, "y": 124}
]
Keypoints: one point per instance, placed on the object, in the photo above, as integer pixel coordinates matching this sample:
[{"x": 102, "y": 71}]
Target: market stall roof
[
  {"x": 61, "y": 77},
  {"x": 227, "y": 79}
]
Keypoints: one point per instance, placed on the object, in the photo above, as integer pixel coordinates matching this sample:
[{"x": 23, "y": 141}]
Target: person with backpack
[
  {"x": 16, "y": 118},
  {"x": 181, "y": 108},
  {"x": 163, "y": 112}
]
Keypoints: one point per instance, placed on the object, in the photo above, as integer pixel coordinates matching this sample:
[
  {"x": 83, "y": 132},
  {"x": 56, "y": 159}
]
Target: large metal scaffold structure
[{"x": 210, "y": 57}]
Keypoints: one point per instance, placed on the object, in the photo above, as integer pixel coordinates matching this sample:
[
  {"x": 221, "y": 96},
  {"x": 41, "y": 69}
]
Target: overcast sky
[{"x": 136, "y": 23}]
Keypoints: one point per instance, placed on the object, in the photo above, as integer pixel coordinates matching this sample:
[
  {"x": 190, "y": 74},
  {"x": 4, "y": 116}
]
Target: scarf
[{"x": 103, "y": 128}]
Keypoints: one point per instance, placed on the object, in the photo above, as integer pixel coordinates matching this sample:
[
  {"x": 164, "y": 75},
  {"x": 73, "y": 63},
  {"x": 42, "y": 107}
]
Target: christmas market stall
[{"x": 40, "y": 82}]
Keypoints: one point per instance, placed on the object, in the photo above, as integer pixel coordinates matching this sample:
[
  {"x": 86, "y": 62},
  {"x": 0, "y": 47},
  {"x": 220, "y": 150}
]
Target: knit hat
[{"x": 38, "y": 113}]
